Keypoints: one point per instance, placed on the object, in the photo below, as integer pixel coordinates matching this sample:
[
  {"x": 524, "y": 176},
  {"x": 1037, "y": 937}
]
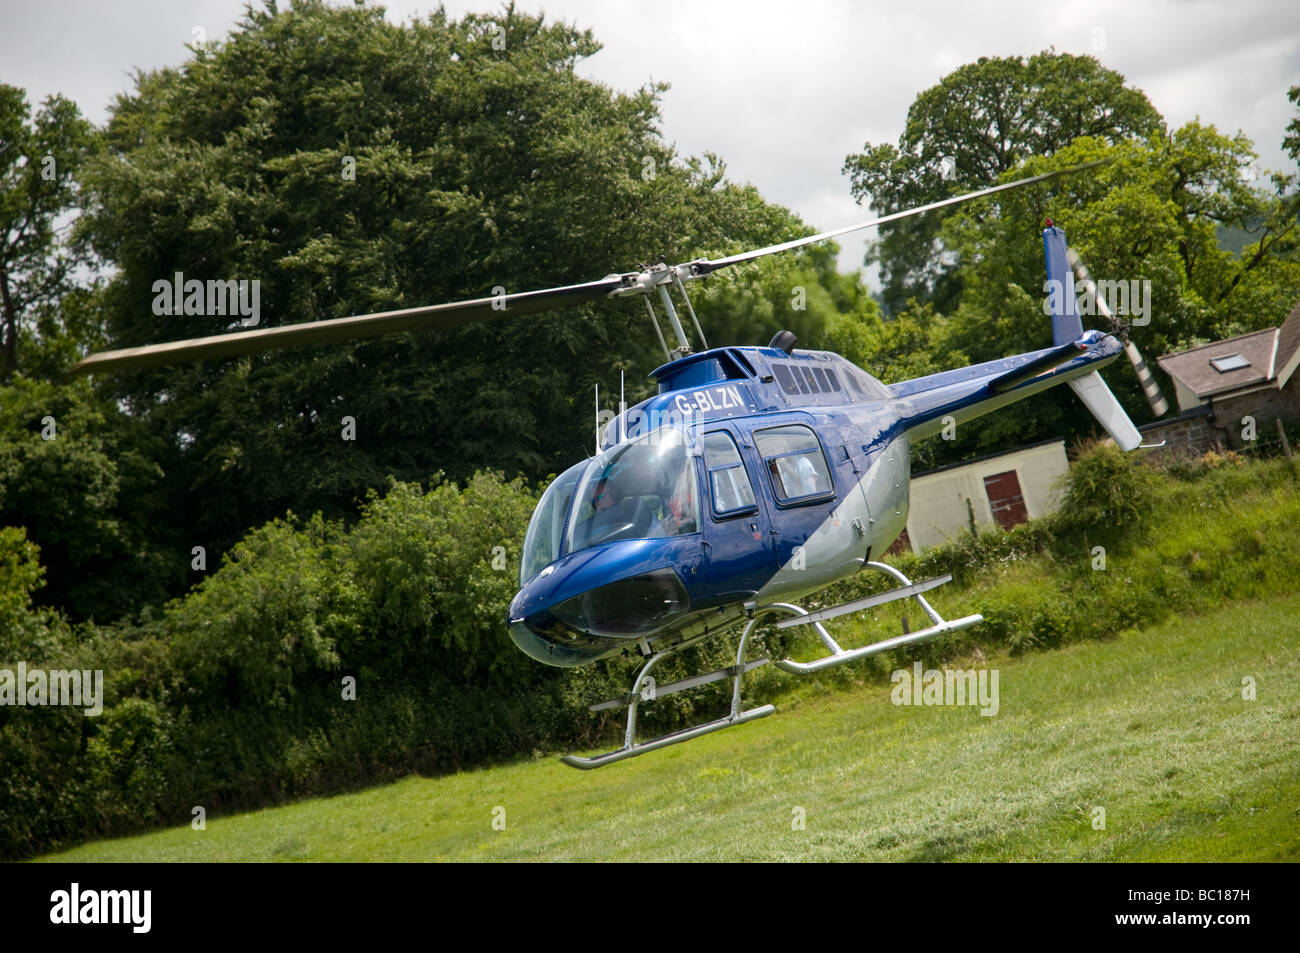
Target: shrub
[
  {"x": 1107, "y": 494},
  {"x": 232, "y": 697}
]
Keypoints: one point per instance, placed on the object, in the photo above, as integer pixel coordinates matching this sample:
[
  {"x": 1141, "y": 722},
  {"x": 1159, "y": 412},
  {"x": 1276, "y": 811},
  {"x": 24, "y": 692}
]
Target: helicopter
[{"x": 753, "y": 478}]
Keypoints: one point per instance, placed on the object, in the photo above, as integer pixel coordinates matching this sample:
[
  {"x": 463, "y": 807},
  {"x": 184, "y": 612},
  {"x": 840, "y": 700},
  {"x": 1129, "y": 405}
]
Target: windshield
[
  {"x": 638, "y": 490},
  {"x": 546, "y": 529}
]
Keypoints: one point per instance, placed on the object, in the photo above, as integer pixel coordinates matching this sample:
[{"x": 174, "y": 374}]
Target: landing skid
[
  {"x": 643, "y": 688},
  {"x": 641, "y": 692},
  {"x": 840, "y": 656}
]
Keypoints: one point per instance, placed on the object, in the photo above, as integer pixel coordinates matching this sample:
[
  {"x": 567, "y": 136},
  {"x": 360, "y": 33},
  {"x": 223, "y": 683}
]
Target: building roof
[
  {"x": 1195, "y": 368},
  {"x": 1288, "y": 347},
  {"x": 1200, "y": 410},
  {"x": 1273, "y": 355},
  {"x": 991, "y": 456}
]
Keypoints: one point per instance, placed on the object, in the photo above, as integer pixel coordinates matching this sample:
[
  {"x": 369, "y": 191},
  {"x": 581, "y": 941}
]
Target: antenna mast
[{"x": 622, "y": 410}]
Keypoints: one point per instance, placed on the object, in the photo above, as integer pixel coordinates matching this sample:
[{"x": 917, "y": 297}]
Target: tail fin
[
  {"x": 1096, "y": 396},
  {"x": 1066, "y": 324},
  {"x": 1067, "y": 327}
]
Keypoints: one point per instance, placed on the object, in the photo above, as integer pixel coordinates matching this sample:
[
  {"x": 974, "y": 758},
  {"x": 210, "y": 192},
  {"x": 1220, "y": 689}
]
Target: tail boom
[{"x": 928, "y": 404}]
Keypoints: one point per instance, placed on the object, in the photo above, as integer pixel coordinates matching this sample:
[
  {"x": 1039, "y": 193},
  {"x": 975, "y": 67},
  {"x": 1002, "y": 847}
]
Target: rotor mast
[{"x": 659, "y": 278}]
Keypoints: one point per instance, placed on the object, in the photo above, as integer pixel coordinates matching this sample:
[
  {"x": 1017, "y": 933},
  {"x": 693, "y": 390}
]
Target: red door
[
  {"x": 901, "y": 545},
  {"x": 1005, "y": 499}
]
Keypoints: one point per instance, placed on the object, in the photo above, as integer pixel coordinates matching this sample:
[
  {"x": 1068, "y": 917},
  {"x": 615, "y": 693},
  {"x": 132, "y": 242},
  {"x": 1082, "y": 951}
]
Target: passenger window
[
  {"x": 795, "y": 462},
  {"x": 728, "y": 480},
  {"x": 853, "y": 383},
  {"x": 786, "y": 378}
]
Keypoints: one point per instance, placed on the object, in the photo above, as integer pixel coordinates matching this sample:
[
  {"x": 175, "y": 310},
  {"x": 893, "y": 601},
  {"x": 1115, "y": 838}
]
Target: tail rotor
[{"x": 1159, "y": 406}]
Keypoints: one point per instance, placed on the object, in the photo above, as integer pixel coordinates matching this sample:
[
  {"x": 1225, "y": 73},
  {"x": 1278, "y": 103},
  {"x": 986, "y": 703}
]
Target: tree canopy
[
  {"x": 347, "y": 164},
  {"x": 967, "y": 285},
  {"x": 39, "y": 162},
  {"x": 351, "y": 165},
  {"x": 980, "y": 121}
]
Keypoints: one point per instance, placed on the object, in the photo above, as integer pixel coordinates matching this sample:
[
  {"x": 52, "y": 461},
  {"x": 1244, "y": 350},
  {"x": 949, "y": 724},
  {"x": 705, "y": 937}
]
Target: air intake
[{"x": 784, "y": 341}]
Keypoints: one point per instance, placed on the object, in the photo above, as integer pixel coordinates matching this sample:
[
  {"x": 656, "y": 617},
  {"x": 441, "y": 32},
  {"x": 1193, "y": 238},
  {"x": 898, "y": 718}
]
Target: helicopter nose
[
  {"x": 598, "y": 601},
  {"x": 551, "y": 648},
  {"x": 530, "y": 643},
  {"x": 627, "y": 608}
]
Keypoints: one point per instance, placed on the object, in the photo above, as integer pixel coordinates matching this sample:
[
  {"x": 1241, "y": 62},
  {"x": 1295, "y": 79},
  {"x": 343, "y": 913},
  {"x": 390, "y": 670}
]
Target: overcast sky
[{"x": 782, "y": 91}]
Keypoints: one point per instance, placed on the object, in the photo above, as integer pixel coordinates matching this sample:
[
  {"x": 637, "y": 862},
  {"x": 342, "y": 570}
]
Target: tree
[
  {"x": 980, "y": 121},
  {"x": 26, "y": 632},
  {"x": 1291, "y": 141},
  {"x": 78, "y": 476},
  {"x": 1155, "y": 213},
  {"x": 38, "y": 165},
  {"x": 350, "y": 165},
  {"x": 1147, "y": 218},
  {"x": 1150, "y": 214}
]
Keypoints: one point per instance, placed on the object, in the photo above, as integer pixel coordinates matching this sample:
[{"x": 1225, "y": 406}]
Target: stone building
[{"x": 1231, "y": 389}]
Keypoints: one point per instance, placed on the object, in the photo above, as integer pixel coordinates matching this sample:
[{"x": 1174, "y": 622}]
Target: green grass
[{"x": 1150, "y": 725}]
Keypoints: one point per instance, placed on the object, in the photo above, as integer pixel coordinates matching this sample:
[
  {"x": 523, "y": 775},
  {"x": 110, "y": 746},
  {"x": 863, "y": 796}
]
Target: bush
[
  {"x": 434, "y": 573},
  {"x": 1107, "y": 494},
  {"x": 25, "y": 632},
  {"x": 232, "y": 697}
]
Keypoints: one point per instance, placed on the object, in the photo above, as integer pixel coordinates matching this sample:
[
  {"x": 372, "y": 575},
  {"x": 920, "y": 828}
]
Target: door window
[
  {"x": 728, "y": 480},
  {"x": 795, "y": 462}
]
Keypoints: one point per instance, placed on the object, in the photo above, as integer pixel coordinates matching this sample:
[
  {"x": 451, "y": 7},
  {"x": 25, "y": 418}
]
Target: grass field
[{"x": 1151, "y": 726}]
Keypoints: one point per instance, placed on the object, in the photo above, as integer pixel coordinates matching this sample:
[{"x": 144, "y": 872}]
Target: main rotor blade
[
  {"x": 453, "y": 314},
  {"x": 432, "y": 317},
  {"x": 706, "y": 267}
]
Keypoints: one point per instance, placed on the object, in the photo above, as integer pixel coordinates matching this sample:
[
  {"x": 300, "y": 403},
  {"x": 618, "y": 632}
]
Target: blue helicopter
[{"x": 753, "y": 478}]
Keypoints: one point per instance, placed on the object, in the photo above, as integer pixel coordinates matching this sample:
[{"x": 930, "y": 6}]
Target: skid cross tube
[
  {"x": 695, "y": 681},
  {"x": 840, "y": 656},
  {"x": 738, "y": 715},
  {"x": 869, "y": 602}
]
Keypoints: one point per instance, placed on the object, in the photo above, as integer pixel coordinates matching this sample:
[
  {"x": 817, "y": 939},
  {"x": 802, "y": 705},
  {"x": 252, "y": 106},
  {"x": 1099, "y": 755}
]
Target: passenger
[{"x": 807, "y": 475}]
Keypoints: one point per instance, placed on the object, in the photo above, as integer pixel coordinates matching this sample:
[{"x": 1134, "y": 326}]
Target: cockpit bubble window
[
  {"x": 642, "y": 489},
  {"x": 795, "y": 462},
  {"x": 546, "y": 528},
  {"x": 728, "y": 479}
]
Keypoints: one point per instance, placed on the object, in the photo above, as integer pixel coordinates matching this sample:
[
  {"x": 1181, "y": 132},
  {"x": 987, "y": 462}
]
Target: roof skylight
[{"x": 1229, "y": 362}]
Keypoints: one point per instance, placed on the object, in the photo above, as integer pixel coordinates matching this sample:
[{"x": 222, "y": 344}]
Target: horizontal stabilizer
[
  {"x": 1096, "y": 396},
  {"x": 1046, "y": 362}
]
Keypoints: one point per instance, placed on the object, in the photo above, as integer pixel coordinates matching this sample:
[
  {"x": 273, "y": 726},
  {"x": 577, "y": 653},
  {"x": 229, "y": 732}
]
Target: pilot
[
  {"x": 603, "y": 495},
  {"x": 677, "y": 509}
]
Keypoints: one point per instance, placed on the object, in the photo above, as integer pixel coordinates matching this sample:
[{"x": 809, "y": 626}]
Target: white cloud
[{"x": 781, "y": 91}]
